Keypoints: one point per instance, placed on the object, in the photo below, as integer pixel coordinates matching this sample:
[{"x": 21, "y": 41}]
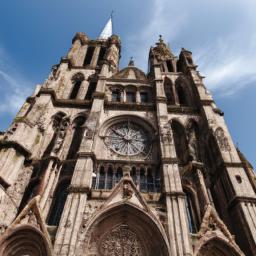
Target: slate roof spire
[{"x": 108, "y": 29}]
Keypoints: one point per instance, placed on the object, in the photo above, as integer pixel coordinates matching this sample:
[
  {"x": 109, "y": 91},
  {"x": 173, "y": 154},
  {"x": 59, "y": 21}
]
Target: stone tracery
[{"x": 120, "y": 241}]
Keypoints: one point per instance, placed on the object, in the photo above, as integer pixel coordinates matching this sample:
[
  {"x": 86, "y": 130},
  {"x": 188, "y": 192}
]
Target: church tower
[{"x": 102, "y": 162}]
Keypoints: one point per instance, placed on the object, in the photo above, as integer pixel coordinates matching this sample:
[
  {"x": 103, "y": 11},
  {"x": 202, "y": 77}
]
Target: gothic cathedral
[{"x": 107, "y": 162}]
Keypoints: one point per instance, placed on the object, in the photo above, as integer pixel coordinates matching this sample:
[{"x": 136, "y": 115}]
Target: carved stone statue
[
  {"x": 192, "y": 143},
  {"x": 61, "y": 133}
]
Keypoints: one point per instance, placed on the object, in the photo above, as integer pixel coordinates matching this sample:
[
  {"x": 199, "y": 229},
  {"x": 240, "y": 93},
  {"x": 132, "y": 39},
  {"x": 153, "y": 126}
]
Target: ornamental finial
[
  {"x": 131, "y": 62},
  {"x": 161, "y": 39}
]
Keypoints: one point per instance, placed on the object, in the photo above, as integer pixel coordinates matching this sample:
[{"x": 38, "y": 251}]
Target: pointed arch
[
  {"x": 148, "y": 234},
  {"x": 168, "y": 89},
  {"x": 78, "y": 132},
  {"x": 77, "y": 80},
  {"x": 183, "y": 92},
  {"x": 57, "y": 119},
  {"x": 217, "y": 246},
  {"x": 180, "y": 141},
  {"x": 24, "y": 240}
]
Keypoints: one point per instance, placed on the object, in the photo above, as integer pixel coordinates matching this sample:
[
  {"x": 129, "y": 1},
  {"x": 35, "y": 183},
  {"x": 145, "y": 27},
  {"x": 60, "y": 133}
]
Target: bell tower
[{"x": 107, "y": 161}]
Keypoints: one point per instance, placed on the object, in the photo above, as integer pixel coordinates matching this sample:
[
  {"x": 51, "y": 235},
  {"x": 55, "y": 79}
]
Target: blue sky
[{"x": 220, "y": 33}]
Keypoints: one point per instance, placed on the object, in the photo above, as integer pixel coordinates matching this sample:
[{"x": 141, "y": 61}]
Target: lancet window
[
  {"x": 180, "y": 141},
  {"x": 89, "y": 54},
  {"x": 191, "y": 214},
  {"x": 168, "y": 89},
  {"x": 91, "y": 89},
  {"x": 76, "y": 81},
  {"x": 169, "y": 66},
  {"x": 101, "y": 55},
  {"x": 183, "y": 99},
  {"x": 59, "y": 200}
]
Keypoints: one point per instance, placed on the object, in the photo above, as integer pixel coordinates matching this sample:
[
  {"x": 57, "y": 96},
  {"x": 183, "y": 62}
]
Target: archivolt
[
  {"x": 217, "y": 246},
  {"x": 147, "y": 232},
  {"x": 24, "y": 240}
]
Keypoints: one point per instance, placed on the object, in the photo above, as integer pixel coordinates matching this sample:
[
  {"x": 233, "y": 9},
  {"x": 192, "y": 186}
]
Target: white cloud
[
  {"x": 220, "y": 33},
  {"x": 14, "y": 88}
]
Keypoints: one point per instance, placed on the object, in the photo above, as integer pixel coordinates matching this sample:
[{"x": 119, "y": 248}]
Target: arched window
[
  {"x": 57, "y": 119},
  {"x": 77, "y": 137},
  {"x": 109, "y": 181},
  {"x": 75, "y": 89},
  {"x": 91, "y": 89},
  {"x": 89, "y": 54},
  {"x": 116, "y": 95},
  {"x": 183, "y": 99},
  {"x": 101, "y": 55},
  {"x": 168, "y": 92},
  {"x": 180, "y": 141},
  {"x": 77, "y": 80},
  {"x": 130, "y": 97},
  {"x": 144, "y": 97},
  {"x": 102, "y": 178},
  {"x": 143, "y": 180},
  {"x": 169, "y": 66},
  {"x": 191, "y": 215},
  {"x": 59, "y": 200}
]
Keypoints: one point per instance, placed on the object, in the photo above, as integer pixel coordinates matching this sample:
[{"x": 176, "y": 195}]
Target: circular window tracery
[
  {"x": 120, "y": 241},
  {"x": 128, "y": 139}
]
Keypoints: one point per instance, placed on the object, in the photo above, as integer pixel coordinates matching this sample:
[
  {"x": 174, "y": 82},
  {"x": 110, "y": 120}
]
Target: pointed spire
[{"x": 108, "y": 29}]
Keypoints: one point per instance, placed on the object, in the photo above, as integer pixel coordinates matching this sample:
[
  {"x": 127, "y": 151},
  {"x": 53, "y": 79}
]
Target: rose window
[{"x": 128, "y": 138}]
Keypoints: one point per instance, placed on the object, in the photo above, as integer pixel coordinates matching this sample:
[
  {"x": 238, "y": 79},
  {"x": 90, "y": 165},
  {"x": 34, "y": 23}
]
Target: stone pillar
[
  {"x": 83, "y": 89},
  {"x": 70, "y": 222},
  {"x": 95, "y": 56},
  {"x": 138, "y": 100},
  {"x": 178, "y": 230}
]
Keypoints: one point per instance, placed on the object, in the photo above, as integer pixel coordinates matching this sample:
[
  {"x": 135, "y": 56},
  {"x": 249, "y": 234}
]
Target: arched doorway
[
  {"x": 218, "y": 247},
  {"x": 24, "y": 240},
  {"x": 124, "y": 230}
]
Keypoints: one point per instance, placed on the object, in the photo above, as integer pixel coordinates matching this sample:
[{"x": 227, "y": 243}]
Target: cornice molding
[
  {"x": 17, "y": 146},
  {"x": 65, "y": 102},
  {"x": 129, "y": 106}
]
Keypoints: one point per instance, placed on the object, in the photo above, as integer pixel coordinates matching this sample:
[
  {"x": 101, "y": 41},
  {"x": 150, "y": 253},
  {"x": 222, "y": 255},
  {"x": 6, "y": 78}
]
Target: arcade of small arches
[
  {"x": 178, "y": 93},
  {"x": 131, "y": 94},
  {"x": 146, "y": 179},
  {"x": 81, "y": 88}
]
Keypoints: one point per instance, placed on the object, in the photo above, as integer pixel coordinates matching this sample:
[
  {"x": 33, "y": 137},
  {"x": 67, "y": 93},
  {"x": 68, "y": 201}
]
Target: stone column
[
  {"x": 138, "y": 100},
  {"x": 83, "y": 89},
  {"x": 95, "y": 56}
]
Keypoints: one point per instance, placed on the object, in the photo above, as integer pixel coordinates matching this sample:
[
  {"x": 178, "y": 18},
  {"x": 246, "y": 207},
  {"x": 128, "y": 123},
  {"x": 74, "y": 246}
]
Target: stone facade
[{"x": 102, "y": 161}]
